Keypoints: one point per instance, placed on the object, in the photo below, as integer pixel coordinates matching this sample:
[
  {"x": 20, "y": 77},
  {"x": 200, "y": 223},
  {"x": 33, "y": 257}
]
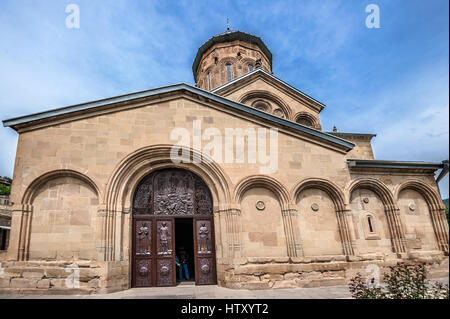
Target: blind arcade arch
[{"x": 159, "y": 198}]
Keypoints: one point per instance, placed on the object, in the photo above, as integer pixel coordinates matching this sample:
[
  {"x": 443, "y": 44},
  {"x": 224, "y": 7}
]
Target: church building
[{"x": 233, "y": 177}]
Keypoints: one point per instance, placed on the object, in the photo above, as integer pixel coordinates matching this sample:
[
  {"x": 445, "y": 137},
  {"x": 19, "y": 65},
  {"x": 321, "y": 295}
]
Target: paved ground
[{"x": 190, "y": 291}]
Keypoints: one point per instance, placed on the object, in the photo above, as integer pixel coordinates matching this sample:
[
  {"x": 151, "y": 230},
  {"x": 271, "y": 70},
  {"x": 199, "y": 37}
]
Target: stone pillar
[
  {"x": 120, "y": 232},
  {"x": 126, "y": 240},
  {"x": 101, "y": 244},
  {"x": 344, "y": 222},
  {"x": 440, "y": 226},
  {"x": 396, "y": 229},
  {"x": 290, "y": 232},
  {"x": 218, "y": 232},
  {"x": 297, "y": 236},
  {"x": 25, "y": 230},
  {"x": 233, "y": 226},
  {"x": 110, "y": 231}
]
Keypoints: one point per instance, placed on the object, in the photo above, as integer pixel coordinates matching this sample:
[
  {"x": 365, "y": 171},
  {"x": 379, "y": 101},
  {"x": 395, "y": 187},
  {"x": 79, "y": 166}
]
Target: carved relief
[
  {"x": 204, "y": 236},
  {"x": 202, "y": 198},
  {"x": 143, "y": 199},
  {"x": 143, "y": 238},
  {"x": 143, "y": 273},
  {"x": 203, "y": 233},
  {"x": 172, "y": 192},
  {"x": 164, "y": 237},
  {"x": 164, "y": 269},
  {"x": 206, "y": 271},
  {"x": 260, "y": 205}
]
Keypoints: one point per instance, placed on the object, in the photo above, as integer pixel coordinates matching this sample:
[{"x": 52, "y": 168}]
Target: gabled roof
[
  {"x": 109, "y": 103},
  {"x": 224, "y": 88},
  {"x": 229, "y": 36}
]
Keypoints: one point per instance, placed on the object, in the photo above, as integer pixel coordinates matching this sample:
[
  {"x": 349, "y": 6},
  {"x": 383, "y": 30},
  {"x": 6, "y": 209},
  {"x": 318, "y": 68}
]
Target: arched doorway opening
[{"x": 172, "y": 221}]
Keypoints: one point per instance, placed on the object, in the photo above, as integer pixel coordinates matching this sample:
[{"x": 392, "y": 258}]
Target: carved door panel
[
  {"x": 142, "y": 261},
  {"x": 204, "y": 250},
  {"x": 165, "y": 252},
  {"x": 159, "y": 198}
]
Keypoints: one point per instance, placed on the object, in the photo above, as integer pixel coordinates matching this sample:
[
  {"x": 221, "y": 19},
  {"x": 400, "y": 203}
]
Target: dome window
[{"x": 228, "y": 72}]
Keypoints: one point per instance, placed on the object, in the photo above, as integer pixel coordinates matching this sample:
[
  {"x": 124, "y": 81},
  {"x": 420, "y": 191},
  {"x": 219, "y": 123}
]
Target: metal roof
[
  {"x": 13, "y": 122},
  {"x": 229, "y": 36},
  {"x": 352, "y": 134},
  {"x": 364, "y": 163}
]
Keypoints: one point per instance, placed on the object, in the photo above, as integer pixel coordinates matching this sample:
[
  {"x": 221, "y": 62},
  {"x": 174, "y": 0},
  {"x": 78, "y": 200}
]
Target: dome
[{"x": 230, "y": 36}]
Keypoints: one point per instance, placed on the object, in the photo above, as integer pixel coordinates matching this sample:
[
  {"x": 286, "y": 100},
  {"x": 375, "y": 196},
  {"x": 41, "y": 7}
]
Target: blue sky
[{"x": 391, "y": 81}]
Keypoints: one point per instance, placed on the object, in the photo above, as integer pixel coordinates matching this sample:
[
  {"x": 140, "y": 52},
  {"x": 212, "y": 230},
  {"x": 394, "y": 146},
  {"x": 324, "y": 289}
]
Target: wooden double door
[{"x": 160, "y": 199}]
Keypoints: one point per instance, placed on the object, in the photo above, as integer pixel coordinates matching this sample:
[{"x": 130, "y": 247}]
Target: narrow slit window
[
  {"x": 250, "y": 68},
  {"x": 369, "y": 220},
  {"x": 209, "y": 80},
  {"x": 229, "y": 72}
]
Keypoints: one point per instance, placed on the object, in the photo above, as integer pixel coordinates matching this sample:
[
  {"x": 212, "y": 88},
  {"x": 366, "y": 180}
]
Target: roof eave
[
  {"x": 398, "y": 165},
  {"x": 30, "y": 119}
]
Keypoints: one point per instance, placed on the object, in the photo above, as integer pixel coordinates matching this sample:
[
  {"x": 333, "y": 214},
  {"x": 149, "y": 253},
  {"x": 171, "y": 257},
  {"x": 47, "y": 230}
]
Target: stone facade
[{"x": 321, "y": 219}]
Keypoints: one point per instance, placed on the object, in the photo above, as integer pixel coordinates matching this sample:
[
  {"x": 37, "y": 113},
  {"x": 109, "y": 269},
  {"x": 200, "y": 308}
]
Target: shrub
[
  {"x": 5, "y": 190},
  {"x": 403, "y": 282}
]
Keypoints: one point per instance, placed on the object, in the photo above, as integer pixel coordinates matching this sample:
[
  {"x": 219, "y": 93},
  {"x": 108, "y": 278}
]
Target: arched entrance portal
[{"x": 166, "y": 204}]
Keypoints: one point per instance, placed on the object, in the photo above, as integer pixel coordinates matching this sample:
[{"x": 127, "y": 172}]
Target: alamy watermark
[
  {"x": 73, "y": 279},
  {"x": 373, "y": 19},
  {"x": 73, "y": 19},
  {"x": 236, "y": 145},
  {"x": 373, "y": 276}
]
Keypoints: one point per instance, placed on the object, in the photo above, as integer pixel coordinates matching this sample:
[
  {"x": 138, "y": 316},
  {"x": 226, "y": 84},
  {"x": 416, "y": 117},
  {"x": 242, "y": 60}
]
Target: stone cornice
[{"x": 388, "y": 167}]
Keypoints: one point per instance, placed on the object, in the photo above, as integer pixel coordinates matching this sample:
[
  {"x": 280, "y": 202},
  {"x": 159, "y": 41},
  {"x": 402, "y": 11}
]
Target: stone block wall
[
  {"x": 307, "y": 272},
  {"x": 39, "y": 277}
]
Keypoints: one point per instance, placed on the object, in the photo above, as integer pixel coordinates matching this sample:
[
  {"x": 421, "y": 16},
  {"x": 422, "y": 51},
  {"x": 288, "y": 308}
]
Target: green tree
[{"x": 5, "y": 190}]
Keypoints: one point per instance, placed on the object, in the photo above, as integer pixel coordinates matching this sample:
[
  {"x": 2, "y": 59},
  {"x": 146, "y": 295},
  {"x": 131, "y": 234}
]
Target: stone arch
[
  {"x": 337, "y": 197},
  {"x": 30, "y": 192},
  {"x": 435, "y": 206},
  {"x": 233, "y": 62},
  {"x": 266, "y": 229},
  {"x": 135, "y": 166},
  {"x": 267, "y": 96},
  {"x": 262, "y": 105},
  {"x": 127, "y": 174},
  {"x": 327, "y": 186},
  {"x": 396, "y": 228},
  {"x": 377, "y": 187},
  {"x": 33, "y": 190},
  {"x": 229, "y": 59},
  {"x": 429, "y": 194},
  {"x": 305, "y": 116},
  {"x": 265, "y": 182},
  {"x": 247, "y": 61}
]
